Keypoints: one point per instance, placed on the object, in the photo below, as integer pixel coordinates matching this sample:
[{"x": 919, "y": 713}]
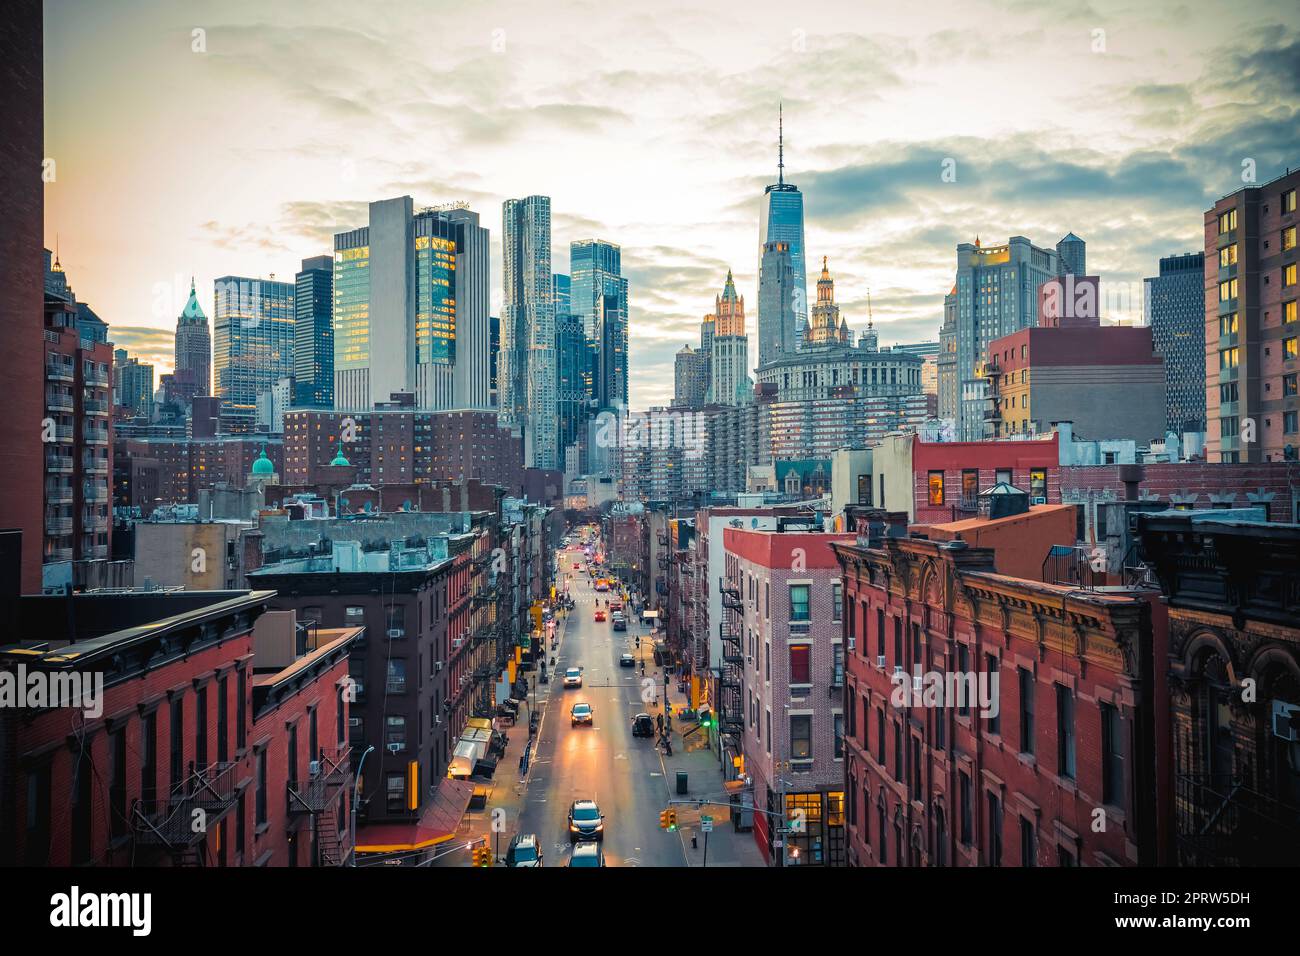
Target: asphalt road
[{"x": 602, "y": 762}]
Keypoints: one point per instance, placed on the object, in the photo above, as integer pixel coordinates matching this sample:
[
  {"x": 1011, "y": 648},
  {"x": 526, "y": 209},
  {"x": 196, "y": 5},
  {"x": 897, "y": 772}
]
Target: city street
[{"x": 625, "y": 775}]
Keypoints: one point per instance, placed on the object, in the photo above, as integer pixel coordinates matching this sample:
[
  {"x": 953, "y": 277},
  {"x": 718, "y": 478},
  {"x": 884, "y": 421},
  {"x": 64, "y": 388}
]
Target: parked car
[
  {"x": 525, "y": 852},
  {"x": 587, "y": 854},
  {"x": 580, "y": 714},
  {"x": 586, "y": 822},
  {"x": 627, "y": 660},
  {"x": 620, "y": 622},
  {"x": 643, "y": 725},
  {"x": 573, "y": 677}
]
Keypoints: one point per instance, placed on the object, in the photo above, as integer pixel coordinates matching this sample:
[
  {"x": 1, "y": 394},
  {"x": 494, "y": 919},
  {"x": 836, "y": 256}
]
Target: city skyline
[{"x": 1126, "y": 145}]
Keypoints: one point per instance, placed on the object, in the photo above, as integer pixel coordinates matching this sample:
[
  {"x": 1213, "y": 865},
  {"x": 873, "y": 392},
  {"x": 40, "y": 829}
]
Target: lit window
[
  {"x": 936, "y": 487},
  {"x": 1288, "y": 238}
]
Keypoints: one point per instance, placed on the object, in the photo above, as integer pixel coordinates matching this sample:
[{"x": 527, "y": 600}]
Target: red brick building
[
  {"x": 206, "y": 715},
  {"x": 947, "y": 477},
  {"x": 782, "y": 624},
  {"x": 1055, "y": 764}
]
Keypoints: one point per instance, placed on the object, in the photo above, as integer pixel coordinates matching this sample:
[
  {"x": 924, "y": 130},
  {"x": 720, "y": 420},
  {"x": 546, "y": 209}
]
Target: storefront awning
[{"x": 437, "y": 825}]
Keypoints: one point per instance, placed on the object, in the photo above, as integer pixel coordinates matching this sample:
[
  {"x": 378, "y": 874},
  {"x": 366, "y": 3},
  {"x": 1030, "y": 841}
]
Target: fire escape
[
  {"x": 731, "y": 708},
  {"x": 992, "y": 371},
  {"x": 180, "y": 826},
  {"x": 320, "y": 797}
]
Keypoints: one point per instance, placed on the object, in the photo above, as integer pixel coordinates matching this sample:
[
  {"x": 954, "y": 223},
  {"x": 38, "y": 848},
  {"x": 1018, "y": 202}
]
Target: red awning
[{"x": 438, "y": 823}]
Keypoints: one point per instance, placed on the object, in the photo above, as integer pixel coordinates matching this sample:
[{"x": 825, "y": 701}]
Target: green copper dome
[
  {"x": 193, "y": 311},
  {"x": 263, "y": 465},
  {"x": 339, "y": 460}
]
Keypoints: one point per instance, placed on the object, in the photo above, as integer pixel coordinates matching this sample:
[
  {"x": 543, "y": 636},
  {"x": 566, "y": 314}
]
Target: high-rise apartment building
[
  {"x": 526, "y": 367},
  {"x": 781, "y": 221},
  {"x": 313, "y": 334},
  {"x": 689, "y": 384},
  {"x": 729, "y": 382},
  {"x": 575, "y": 378},
  {"x": 997, "y": 294},
  {"x": 411, "y": 303},
  {"x": 133, "y": 383},
  {"x": 1175, "y": 310},
  {"x": 193, "y": 355},
  {"x": 946, "y": 361},
  {"x": 253, "y": 325},
  {"x": 1252, "y": 330}
]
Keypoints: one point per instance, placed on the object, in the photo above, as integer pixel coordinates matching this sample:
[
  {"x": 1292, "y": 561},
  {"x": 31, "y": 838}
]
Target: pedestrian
[{"x": 659, "y": 722}]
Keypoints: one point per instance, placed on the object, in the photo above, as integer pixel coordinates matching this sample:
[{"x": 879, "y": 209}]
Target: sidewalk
[{"x": 726, "y": 847}]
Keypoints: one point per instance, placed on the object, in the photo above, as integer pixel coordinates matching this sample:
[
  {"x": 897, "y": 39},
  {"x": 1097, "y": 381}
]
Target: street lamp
[{"x": 356, "y": 796}]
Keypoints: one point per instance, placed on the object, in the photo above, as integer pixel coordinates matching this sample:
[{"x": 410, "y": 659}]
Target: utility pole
[{"x": 356, "y": 796}]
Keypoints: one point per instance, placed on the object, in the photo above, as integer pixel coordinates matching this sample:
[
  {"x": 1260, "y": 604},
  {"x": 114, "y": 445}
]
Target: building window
[
  {"x": 223, "y": 719},
  {"x": 149, "y": 762},
  {"x": 1065, "y": 731},
  {"x": 1288, "y": 276},
  {"x": 241, "y": 713},
  {"x": 837, "y": 609},
  {"x": 1288, "y": 238},
  {"x": 1227, "y": 221},
  {"x": 917, "y": 790},
  {"x": 261, "y": 787},
  {"x": 117, "y": 783},
  {"x": 1038, "y": 483},
  {"x": 898, "y": 751},
  {"x": 1227, "y": 290},
  {"x": 994, "y": 846},
  {"x": 396, "y": 792},
  {"x": 800, "y": 664},
  {"x": 839, "y": 736},
  {"x": 1064, "y": 858},
  {"x": 1289, "y": 386},
  {"x": 1228, "y": 358},
  {"x": 963, "y": 670},
  {"x": 395, "y": 734},
  {"x": 991, "y": 668},
  {"x": 1228, "y": 256},
  {"x": 799, "y": 602},
  {"x": 801, "y": 737},
  {"x": 880, "y": 633},
  {"x": 1003, "y": 476},
  {"x": 1289, "y": 423},
  {"x": 397, "y": 676},
  {"x": 1228, "y": 324},
  {"x": 880, "y": 739},
  {"x": 883, "y": 843},
  {"x": 936, "y": 487},
  {"x": 1028, "y": 843},
  {"x": 966, "y": 821},
  {"x": 1112, "y": 756},
  {"x": 1288, "y": 201},
  {"x": 970, "y": 487},
  {"x": 837, "y": 665},
  {"x": 1289, "y": 348},
  {"x": 177, "y": 743},
  {"x": 1026, "y": 711},
  {"x": 1289, "y": 311}
]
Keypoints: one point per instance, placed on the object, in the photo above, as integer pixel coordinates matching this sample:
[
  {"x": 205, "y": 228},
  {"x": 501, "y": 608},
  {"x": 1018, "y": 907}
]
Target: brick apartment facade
[
  {"x": 198, "y": 715},
  {"x": 947, "y": 477},
  {"x": 787, "y": 586},
  {"x": 1068, "y": 771}
]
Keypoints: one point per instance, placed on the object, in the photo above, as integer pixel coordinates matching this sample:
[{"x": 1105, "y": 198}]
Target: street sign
[{"x": 706, "y": 824}]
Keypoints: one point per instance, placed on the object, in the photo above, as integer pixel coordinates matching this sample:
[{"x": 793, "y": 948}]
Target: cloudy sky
[{"x": 653, "y": 126}]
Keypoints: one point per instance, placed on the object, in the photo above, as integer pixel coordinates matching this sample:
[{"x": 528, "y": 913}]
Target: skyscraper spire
[{"x": 780, "y": 143}]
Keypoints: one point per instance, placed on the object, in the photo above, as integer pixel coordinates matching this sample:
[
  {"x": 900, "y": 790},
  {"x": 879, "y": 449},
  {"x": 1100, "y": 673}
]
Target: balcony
[
  {"x": 95, "y": 406},
  {"x": 95, "y": 437},
  {"x": 93, "y": 491},
  {"x": 64, "y": 434},
  {"x": 1222, "y": 822},
  {"x": 58, "y": 554},
  {"x": 93, "y": 522},
  {"x": 993, "y": 415},
  {"x": 95, "y": 551},
  {"x": 97, "y": 379},
  {"x": 58, "y": 401},
  {"x": 58, "y": 464},
  {"x": 58, "y": 495},
  {"x": 58, "y": 526},
  {"x": 94, "y": 466},
  {"x": 58, "y": 372},
  {"x": 212, "y": 790}
]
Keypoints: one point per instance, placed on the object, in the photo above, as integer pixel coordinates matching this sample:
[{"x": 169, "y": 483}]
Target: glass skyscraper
[
  {"x": 313, "y": 337},
  {"x": 599, "y": 296},
  {"x": 781, "y": 221},
  {"x": 1175, "y": 310},
  {"x": 253, "y": 336},
  {"x": 575, "y": 378},
  {"x": 526, "y": 366}
]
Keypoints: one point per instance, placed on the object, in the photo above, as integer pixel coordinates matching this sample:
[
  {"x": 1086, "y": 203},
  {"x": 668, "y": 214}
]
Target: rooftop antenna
[
  {"x": 780, "y": 143},
  {"x": 871, "y": 322}
]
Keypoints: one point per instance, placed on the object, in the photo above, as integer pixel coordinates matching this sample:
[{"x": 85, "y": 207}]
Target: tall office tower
[
  {"x": 133, "y": 383},
  {"x": 575, "y": 377},
  {"x": 313, "y": 334},
  {"x": 599, "y": 296},
  {"x": 1175, "y": 310},
  {"x": 193, "y": 356},
  {"x": 776, "y": 295},
  {"x": 1072, "y": 256},
  {"x": 729, "y": 382},
  {"x": 689, "y": 384},
  {"x": 1251, "y": 325},
  {"x": 253, "y": 344},
  {"x": 997, "y": 294},
  {"x": 781, "y": 220},
  {"x": 494, "y": 353},
  {"x": 947, "y": 359},
  {"x": 411, "y": 301},
  {"x": 826, "y": 327},
  {"x": 526, "y": 368},
  {"x": 707, "y": 328}
]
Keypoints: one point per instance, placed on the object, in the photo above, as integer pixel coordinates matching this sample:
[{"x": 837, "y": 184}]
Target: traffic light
[
  {"x": 638, "y": 642},
  {"x": 663, "y": 819},
  {"x": 706, "y": 716},
  {"x": 668, "y": 819},
  {"x": 482, "y": 856}
]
